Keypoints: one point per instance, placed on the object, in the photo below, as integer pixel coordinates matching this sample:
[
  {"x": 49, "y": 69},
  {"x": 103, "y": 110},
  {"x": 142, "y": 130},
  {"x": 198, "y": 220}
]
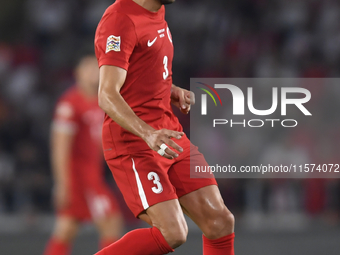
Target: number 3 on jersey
[
  {"x": 153, "y": 176},
  {"x": 166, "y": 71}
]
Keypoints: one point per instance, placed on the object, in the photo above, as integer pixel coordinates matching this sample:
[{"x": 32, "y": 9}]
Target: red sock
[
  {"x": 55, "y": 247},
  {"x": 106, "y": 242},
  {"x": 221, "y": 246},
  {"x": 139, "y": 242}
]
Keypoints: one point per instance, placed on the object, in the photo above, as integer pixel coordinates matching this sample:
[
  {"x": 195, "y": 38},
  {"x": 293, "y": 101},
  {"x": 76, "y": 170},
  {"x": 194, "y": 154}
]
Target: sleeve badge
[{"x": 113, "y": 43}]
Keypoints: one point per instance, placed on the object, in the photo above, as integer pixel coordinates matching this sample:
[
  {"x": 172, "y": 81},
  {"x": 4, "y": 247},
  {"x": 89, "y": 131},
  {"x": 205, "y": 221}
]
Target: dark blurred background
[{"x": 39, "y": 40}]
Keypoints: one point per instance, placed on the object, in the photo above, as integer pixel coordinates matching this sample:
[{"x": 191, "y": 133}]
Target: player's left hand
[{"x": 182, "y": 98}]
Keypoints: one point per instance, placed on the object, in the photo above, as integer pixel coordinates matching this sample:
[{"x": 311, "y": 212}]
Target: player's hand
[
  {"x": 157, "y": 137},
  {"x": 60, "y": 196},
  {"x": 182, "y": 98}
]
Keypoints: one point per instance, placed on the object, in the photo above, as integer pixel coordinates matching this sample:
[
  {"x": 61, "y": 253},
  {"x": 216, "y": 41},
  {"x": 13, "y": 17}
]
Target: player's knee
[
  {"x": 178, "y": 236},
  {"x": 219, "y": 224},
  {"x": 110, "y": 227},
  {"x": 65, "y": 235},
  {"x": 175, "y": 234},
  {"x": 65, "y": 231}
]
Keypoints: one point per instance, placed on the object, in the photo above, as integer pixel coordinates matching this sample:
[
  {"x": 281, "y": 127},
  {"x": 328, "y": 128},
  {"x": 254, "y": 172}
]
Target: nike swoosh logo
[{"x": 151, "y": 43}]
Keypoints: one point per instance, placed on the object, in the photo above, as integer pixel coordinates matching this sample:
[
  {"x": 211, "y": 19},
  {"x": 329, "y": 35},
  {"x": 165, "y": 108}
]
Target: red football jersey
[
  {"x": 133, "y": 38},
  {"x": 82, "y": 117}
]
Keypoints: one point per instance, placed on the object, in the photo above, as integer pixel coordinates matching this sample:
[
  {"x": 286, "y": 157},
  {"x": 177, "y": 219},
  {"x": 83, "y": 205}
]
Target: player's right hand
[
  {"x": 157, "y": 137},
  {"x": 60, "y": 197}
]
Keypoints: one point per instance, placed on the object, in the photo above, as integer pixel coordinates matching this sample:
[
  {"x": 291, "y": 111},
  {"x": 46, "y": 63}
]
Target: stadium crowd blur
[{"x": 235, "y": 38}]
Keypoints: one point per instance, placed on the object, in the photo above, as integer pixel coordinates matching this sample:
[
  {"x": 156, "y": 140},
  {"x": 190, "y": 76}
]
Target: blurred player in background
[
  {"x": 80, "y": 192},
  {"x": 144, "y": 145}
]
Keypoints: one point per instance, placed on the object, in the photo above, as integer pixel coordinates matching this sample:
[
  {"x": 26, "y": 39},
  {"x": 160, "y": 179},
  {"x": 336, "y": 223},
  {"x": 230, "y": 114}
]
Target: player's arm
[
  {"x": 111, "y": 81},
  {"x": 61, "y": 145},
  {"x": 182, "y": 98}
]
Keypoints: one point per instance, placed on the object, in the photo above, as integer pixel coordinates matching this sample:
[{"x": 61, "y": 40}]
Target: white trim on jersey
[{"x": 140, "y": 187}]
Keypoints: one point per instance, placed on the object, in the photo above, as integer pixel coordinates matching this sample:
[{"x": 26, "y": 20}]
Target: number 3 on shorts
[{"x": 153, "y": 176}]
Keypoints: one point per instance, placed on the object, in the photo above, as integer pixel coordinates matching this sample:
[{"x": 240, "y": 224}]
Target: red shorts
[
  {"x": 146, "y": 178},
  {"x": 90, "y": 201}
]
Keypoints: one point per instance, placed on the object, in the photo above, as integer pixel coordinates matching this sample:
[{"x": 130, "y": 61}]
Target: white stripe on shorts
[{"x": 140, "y": 187}]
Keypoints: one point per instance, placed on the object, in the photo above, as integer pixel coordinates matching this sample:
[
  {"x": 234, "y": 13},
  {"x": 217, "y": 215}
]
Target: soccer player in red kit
[
  {"x": 144, "y": 146},
  {"x": 80, "y": 192}
]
